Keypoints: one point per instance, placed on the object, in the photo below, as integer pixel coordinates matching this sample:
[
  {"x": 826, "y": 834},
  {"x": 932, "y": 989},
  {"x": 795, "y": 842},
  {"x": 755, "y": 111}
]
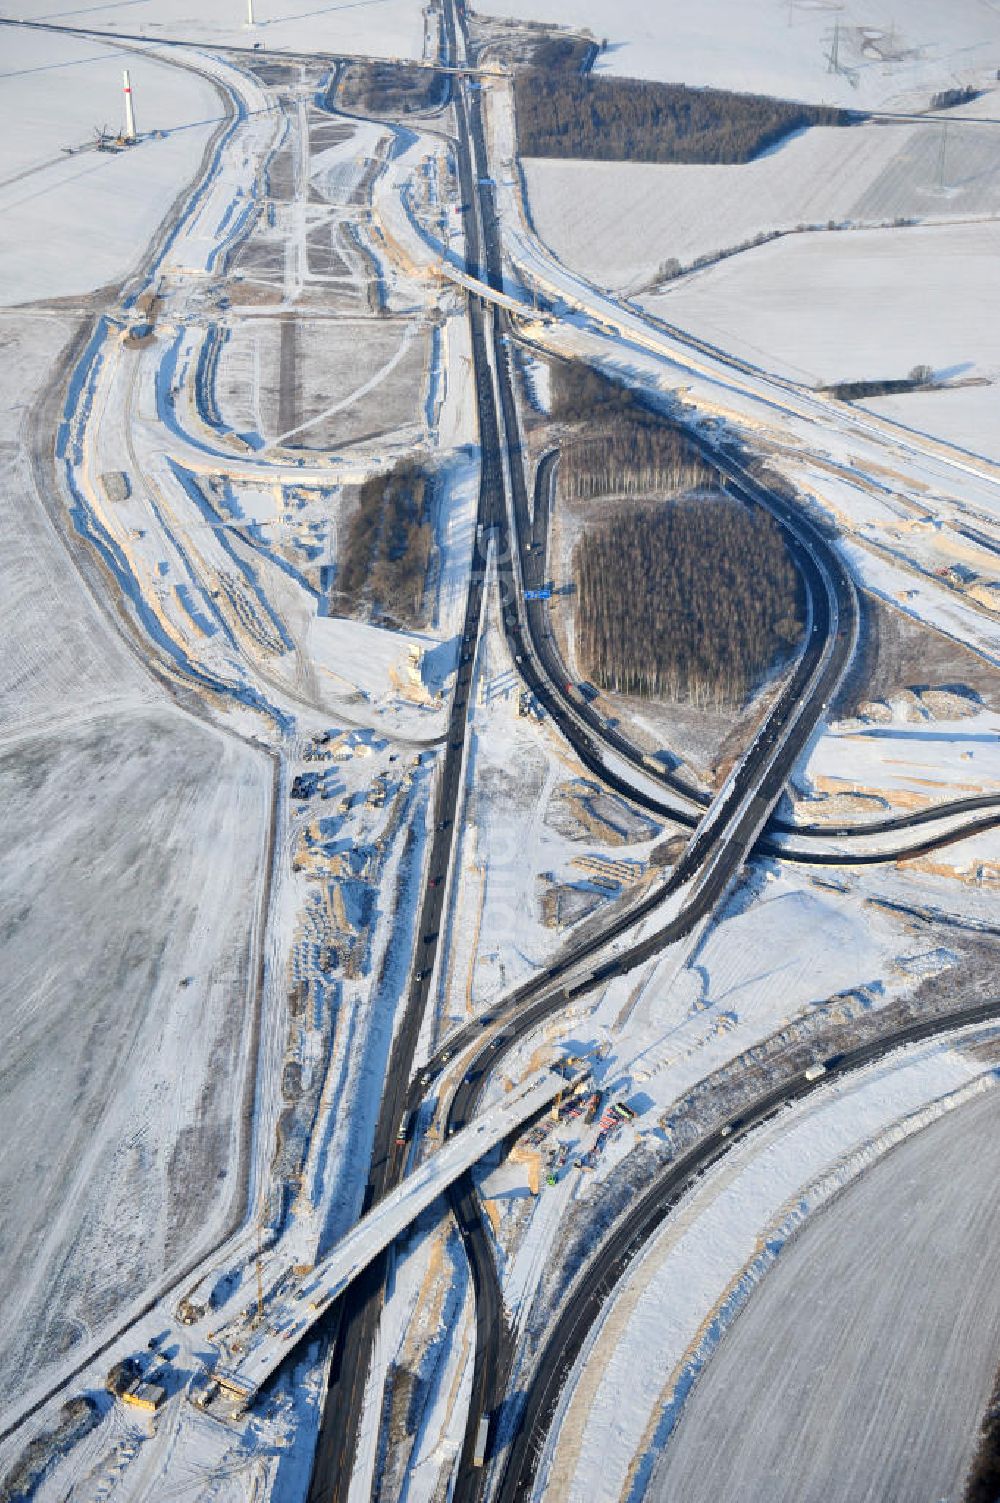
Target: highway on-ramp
[{"x": 680, "y": 801}]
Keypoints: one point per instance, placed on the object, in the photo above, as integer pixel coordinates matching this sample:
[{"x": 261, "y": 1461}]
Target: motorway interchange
[
  {"x": 108, "y": 428},
  {"x": 725, "y": 836}
]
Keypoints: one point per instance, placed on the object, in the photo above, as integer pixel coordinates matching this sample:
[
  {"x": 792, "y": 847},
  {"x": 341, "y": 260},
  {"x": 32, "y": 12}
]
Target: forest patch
[
  {"x": 384, "y": 88},
  {"x": 386, "y": 548},
  {"x": 562, "y": 113},
  {"x": 694, "y": 600}
]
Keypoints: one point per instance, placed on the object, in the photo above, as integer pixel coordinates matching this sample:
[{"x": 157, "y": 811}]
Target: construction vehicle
[
  {"x": 202, "y": 1389},
  {"x": 591, "y": 1107},
  {"x": 147, "y": 1396}
]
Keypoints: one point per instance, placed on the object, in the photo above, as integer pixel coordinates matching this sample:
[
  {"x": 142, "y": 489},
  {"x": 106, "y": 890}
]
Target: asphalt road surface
[
  {"x": 721, "y": 845},
  {"x": 647, "y": 1215},
  {"x": 569, "y": 707},
  {"x": 725, "y": 846},
  {"x": 358, "y": 1313}
]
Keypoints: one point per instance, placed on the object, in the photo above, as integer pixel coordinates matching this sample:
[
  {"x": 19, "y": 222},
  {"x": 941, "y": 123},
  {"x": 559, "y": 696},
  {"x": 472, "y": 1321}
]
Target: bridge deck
[{"x": 249, "y": 1356}]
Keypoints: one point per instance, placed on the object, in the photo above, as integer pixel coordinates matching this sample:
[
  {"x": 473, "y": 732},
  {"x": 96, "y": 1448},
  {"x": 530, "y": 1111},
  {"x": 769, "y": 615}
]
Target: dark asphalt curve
[
  {"x": 597, "y": 1283},
  {"x": 563, "y": 703}
]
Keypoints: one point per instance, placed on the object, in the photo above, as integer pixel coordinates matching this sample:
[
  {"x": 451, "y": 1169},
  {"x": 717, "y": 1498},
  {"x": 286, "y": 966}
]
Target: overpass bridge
[
  {"x": 524, "y": 309},
  {"x": 250, "y": 1349}
]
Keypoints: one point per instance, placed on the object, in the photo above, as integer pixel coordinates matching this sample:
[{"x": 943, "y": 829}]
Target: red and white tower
[{"x": 129, "y": 112}]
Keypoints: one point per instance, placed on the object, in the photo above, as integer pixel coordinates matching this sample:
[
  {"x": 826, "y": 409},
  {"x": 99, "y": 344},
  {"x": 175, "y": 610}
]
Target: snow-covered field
[
  {"x": 351, "y": 383},
  {"x": 59, "y": 658},
  {"x": 384, "y": 28},
  {"x": 966, "y": 416},
  {"x": 860, "y": 1367},
  {"x": 692, "y": 1280},
  {"x": 133, "y": 851},
  {"x": 902, "y": 499},
  {"x": 896, "y": 56},
  {"x": 75, "y": 223},
  {"x": 847, "y": 307},
  {"x": 133, "y": 856},
  {"x": 872, "y": 174},
  {"x": 909, "y": 764}
]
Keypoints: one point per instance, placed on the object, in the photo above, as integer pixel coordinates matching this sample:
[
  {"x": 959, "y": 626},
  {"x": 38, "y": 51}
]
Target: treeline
[
  {"x": 630, "y": 459},
  {"x": 563, "y": 54},
  {"x": 386, "y": 546},
  {"x": 625, "y": 450},
  {"x": 687, "y": 600},
  {"x": 921, "y": 378},
  {"x": 949, "y": 98},
  {"x": 670, "y": 269},
  {"x": 561, "y": 113},
  {"x": 578, "y": 393},
  {"x": 388, "y": 88}
]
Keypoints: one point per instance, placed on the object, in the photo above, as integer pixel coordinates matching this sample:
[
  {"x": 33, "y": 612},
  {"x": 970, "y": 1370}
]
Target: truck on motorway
[
  {"x": 482, "y": 1436},
  {"x": 815, "y": 1071},
  {"x": 405, "y": 1124}
]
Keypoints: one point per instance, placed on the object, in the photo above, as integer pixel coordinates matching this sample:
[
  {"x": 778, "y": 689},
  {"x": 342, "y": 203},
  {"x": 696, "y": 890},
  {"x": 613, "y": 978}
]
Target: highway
[
  {"x": 720, "y": 846},
  {"x": 251, "y": 1351},
  {"x": 596, "y": 1282},
  {"x": 729, "y": 839},
  {"x": 724, "y": 837},
  {"x": 725, "y": 834},
  {"x": 723, "y": 840},
  {"x": 583, "y": 727},
  {"x": 586, "y": 729},
  {"x": 357, "y": 1314}
]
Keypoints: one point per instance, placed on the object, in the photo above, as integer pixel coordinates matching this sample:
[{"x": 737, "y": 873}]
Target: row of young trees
[
  {"x": 630, "y": 459},
  {"x": 619, "y": 447},
  {"x": 386, "y": 546},
  {"x": 689, "y": 600},
  {"x": 561, "y": 113}
]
